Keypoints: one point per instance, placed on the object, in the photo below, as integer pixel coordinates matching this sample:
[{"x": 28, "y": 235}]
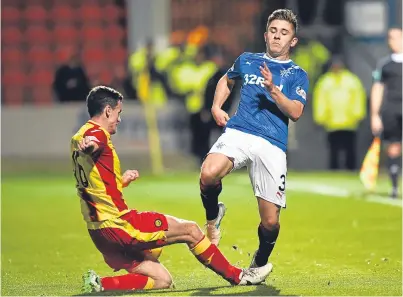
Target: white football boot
[
  {"x": 91, "y": 282},
  {"x": 255, "y": 276},
  {"x": 213, "y": 227}
]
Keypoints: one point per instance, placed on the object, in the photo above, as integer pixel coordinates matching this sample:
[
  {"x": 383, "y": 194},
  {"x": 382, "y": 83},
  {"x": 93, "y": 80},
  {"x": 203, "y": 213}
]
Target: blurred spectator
[
  {"x": 191, "y": 77},
  {"x": 199, "y": 123},
  {"x": 149, "y": 83},
  {"x": 339, "y": 104},
  {"x": 122, "y": 81},
  {"x": 71, "y": 82},
  {"x": 312, "y": 56},
  {"x": 217, "y": 57},
  {"x": 171, "y": 58}
]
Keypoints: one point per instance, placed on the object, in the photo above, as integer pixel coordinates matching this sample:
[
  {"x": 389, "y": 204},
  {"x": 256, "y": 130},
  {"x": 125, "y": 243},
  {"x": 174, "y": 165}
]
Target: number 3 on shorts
[{"x": 282, "y": 186}]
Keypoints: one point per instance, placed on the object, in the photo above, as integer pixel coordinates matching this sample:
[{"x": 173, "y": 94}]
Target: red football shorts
[{"x": 127, "y": 240}]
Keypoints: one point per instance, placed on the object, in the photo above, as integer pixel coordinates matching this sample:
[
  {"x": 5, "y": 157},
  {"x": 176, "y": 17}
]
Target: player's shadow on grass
[{"x": 261, "y": 290}]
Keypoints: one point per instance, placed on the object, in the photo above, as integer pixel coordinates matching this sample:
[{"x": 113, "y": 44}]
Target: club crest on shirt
[
  {"x": 287, "y": 72},
  {"x": 157, "y": 223}
]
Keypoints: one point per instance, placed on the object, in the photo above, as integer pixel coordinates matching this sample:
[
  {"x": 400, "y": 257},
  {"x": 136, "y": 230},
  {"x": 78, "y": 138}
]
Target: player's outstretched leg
[
  {"x": 209, "y": 255},
  {"x": 93, "y": 283},
  {"x": 150, "y": 274},
  {"x": 214, "y": 168},
  {"x": 268, "y": 231}
]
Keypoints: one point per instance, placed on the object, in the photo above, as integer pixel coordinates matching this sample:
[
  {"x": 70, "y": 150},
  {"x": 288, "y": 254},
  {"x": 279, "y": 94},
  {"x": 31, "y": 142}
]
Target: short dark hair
[
  {"x": 99, "y": 97},
  {"x": 285, "y": 15}
]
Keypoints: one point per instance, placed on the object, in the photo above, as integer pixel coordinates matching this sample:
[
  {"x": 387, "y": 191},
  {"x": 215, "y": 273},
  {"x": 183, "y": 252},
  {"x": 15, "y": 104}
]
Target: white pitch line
[
  {"x": 335, "y": 192},
  {"x": 383, "y": 200}
]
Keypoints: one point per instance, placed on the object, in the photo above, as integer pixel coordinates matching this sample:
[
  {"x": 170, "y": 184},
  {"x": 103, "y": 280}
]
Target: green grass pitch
[{"x": 333, "y": 240}]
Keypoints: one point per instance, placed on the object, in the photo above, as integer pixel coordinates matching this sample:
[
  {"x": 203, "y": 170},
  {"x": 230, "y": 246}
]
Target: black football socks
[
  {"x": 209, "y": 195},
  {"x": 394, "y": 169},
  {"x": 267, "y": 240}
]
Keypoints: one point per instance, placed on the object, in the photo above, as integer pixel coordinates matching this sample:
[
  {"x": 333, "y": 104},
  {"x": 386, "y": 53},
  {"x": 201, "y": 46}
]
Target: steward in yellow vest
[
  {"x": 312, "y": 56},
  {"x": 339, "y": 105},
  {"x": 147, "y": 80}
]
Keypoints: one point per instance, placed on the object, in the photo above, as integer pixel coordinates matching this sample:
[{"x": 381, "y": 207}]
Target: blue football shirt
[{"x": 257, "y": 113}]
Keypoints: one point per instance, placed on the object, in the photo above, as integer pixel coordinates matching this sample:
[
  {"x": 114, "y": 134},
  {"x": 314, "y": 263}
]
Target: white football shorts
[{"x": 266, "y": 163}]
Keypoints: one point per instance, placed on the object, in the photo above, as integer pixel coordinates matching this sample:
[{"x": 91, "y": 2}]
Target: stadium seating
[
  {"x": 11, "y": 57},
  {"x": 62, "y": 14},
  {"x": 93, "y": 34},
  {"x": 11, "y": 35},
  {"x": 35, "y": 14},
  {"x": 41, "y": 55},
  {"x": 10, "y": 16},
  {"x": 91, "y": 13},
  {"x": 36, "y": 35},
  {"x": 65, "y": 34}
]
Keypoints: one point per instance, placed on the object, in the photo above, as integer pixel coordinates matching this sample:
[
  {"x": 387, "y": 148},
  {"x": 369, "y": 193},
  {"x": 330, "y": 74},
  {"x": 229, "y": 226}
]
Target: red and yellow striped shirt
[{"x": 98, "y": 176}]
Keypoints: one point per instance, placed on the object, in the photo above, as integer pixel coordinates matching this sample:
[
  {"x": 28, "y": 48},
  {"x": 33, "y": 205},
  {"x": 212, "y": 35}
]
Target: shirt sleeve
[
  {"x": 378, "y": 74},
  {"x": 300, "y": 87},
  {"x": 235, "y": 71},
  {"x": 97, "y": 135}
]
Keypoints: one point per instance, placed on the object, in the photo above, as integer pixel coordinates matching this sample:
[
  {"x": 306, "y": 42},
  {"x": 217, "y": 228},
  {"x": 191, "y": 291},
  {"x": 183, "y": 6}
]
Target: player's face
[
  {"x": 395, "y": 40},
  {"x": 114, "y": 117},
  {"x": 280, "y": 37}
]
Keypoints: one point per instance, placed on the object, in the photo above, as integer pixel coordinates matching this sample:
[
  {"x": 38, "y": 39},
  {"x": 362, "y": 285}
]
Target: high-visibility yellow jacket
[
  {"x": 189, "y": 79},
  {"x": 339, "y": 101},
  {"x": 311, "y": 57},
  {"x": 147, "y": 90},
  {"x": 200, "y": 78}
]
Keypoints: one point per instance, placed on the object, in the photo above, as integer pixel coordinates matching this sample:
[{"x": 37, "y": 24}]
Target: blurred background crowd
[{"x": 173, "y": 52}]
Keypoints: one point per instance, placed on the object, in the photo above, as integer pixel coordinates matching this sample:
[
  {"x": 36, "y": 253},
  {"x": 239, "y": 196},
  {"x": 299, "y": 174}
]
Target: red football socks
[
  {"x": 210, "y": 256},
  {"x": 125, "y": 282}
]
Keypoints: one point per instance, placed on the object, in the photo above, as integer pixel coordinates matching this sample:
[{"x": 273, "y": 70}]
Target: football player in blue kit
[{"x": 274, "y": 90}]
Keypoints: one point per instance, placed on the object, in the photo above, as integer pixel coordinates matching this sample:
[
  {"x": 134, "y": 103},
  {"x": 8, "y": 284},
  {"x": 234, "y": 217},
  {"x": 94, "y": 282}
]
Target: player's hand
[
  {"x": 220, "y": 116},
  {"x": 376, "y": 125},
  {"x": 268, "y": 77},
  {"x": 87, "y": 145},
  {"x": 129, "y": 176}
]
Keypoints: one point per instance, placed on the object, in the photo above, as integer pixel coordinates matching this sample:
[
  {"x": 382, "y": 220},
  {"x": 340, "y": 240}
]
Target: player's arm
[
  {"x": 376, "y": 97},
  {"x": 292, "y": 108},
  {"x": 88, "y": 146},
  {"x": 93, "y": 140},
  {"x": 377, "y": 91},
  {"x": 222, "y": 92}
]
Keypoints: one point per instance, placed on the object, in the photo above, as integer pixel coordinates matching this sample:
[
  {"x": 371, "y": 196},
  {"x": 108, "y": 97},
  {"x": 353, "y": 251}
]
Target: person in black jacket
[
  {"x": 71, "y": 82},
  {"x": 386, "y": 106}
]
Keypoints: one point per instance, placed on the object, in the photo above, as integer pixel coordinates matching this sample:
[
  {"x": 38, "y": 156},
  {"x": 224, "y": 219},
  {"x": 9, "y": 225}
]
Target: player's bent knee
[
  {"x": 271, "y": 223},
  {"x": 163, "y": 282},
  {"x": 194, "y": 232},
  {"x": 211, "y": 173},
  {"x": 207, "y": 176}
]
